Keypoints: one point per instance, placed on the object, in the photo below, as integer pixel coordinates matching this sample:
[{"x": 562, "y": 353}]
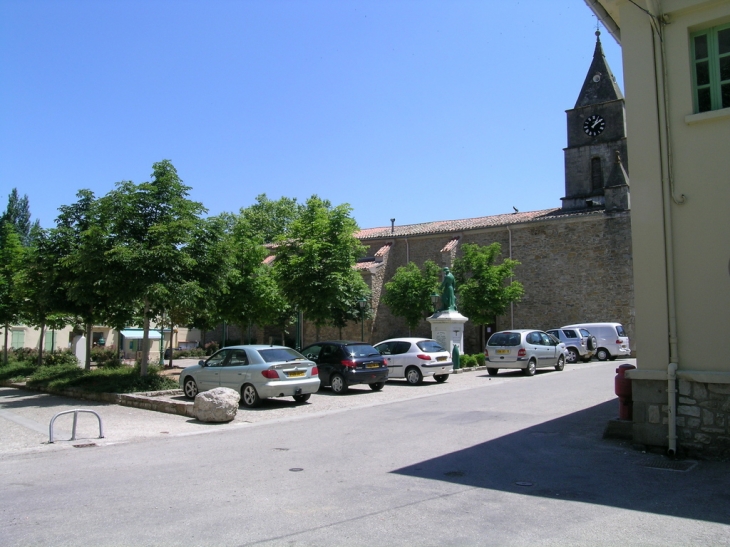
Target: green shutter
[{"x": 18, "y": 340}]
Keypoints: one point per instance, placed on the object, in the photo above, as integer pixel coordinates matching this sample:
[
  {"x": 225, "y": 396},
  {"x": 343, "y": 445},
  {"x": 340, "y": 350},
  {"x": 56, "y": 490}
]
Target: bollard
[
  {"x": 455, "y": 359},
  {"x": 622, "y": 388}
]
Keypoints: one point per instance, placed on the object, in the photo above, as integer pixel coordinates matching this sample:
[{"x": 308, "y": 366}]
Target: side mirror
[{"x": 201, "y": 363}]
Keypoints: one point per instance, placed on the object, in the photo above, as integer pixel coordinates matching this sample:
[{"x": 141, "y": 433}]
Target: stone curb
[
  {"x": 469, "y": 369},
  {"x": 150, "y": 400}
]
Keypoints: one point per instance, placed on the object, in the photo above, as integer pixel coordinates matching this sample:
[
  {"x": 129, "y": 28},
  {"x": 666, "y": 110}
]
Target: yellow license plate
[
  {"x": 502, "y": 351},
  {"x": 374, "y": 365},
  {"x": 295, "y": 374},
  {"x": 441, "y": 358}
]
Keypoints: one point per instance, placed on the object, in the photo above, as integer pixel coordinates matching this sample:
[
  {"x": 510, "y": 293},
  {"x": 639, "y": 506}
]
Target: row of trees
[{"x": 146, "y": 252}]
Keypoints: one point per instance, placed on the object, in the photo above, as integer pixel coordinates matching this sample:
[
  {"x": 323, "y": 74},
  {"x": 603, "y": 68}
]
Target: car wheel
[
  {"x": 190, "y": 388},
  {"x": 602, "y": 354},
  {"x": 561, "y": 363},
  {"x": 302, "y": 398},
  {"x": 338, "y": 384},
  {"x": 377, "y": 386},
  {"x": 492, "y": 371},
  {"x": 414, "y": 376},
  {"x": 572, "y": 355},
  {"x": 531, "y": 368},
  {"x": 249, "y": 396},
  {"x": 440, "y": 378}
]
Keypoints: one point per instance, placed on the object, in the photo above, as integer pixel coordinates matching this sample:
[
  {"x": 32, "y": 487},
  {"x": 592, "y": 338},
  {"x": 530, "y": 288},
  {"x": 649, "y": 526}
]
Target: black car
[{"x": 342, "y": 364}]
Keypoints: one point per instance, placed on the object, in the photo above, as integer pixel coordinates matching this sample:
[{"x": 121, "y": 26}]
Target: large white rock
[{"x": 217, "y": 405}]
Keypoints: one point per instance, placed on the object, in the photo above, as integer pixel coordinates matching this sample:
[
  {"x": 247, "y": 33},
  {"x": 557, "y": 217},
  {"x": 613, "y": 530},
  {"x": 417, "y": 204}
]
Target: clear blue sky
[{"x": 417, "y": 110}]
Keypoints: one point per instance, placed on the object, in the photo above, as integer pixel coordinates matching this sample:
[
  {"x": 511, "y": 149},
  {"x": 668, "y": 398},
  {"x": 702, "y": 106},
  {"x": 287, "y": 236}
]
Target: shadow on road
[{"x": 567, "y": 459}]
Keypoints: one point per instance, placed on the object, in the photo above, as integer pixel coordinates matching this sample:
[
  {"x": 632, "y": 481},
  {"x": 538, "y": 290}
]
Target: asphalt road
[{"x": 509, "y": 461}]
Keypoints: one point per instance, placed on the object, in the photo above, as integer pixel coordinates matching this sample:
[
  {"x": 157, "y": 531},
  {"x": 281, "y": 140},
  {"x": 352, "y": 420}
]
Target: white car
[
  {"x": 416, "y": 358},
  {"x": 612, "y": 340},
  {"x": 524, "y": 349},
  {"x": 256, "y": 372}
]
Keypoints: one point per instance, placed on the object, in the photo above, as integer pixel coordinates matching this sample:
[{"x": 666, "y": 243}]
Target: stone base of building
[{"x": 703, "y": 417}]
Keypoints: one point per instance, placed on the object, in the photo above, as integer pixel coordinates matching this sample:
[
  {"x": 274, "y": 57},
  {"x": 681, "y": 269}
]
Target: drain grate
[
  {"x": 85, "y": 445},
  {"x": 670, "y": 465}
]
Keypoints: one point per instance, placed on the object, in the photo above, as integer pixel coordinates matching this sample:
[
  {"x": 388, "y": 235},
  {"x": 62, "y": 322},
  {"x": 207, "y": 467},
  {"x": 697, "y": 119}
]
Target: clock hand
[{"x": 595, "y": 124}]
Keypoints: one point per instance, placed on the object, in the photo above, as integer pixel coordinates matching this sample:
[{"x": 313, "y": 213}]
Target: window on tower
[{"x": 596, "y": 174}]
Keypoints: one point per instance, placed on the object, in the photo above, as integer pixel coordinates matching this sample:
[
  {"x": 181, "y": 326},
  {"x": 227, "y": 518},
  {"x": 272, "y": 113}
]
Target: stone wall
[
  {"x": 575, "y": 268},
  {"x": 703, "y": 417}
]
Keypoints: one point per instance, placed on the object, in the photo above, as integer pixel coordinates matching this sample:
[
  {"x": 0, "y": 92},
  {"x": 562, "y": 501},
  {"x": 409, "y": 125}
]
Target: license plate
[
  {"x": 374, "y": 365},
  {"x": 502, "y": 351},
  {"x": 441, "y": 358},
  {"x": 295, "y": 374}
]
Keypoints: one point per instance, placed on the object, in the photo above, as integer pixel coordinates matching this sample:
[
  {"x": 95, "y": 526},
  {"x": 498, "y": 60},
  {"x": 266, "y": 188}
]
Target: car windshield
[
  {"x": 361, "y": 350},
  {"x": 280, "y": 354},
  {"x": 505, "y": 339},
  {"x": 431, "y": 346}
]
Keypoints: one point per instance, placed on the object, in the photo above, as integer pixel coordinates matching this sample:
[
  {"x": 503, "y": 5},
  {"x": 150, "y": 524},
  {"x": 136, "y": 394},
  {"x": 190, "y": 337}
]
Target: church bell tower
[{"x": 596, "y": 159}]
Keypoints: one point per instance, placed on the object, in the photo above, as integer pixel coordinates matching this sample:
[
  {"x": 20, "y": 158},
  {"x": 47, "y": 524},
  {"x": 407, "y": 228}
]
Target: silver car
[
  {"x": 523, "y": 349},
  {"x": 416, "y": 358},
  {"x": 256, "y": 372}
]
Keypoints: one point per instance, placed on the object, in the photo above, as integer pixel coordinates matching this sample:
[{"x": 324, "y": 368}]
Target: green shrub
[
  {"x": 187, "y": 353},
  {"x": 480, "y": 359},
  {"x": 64, "y": 357},
  {"x": 104, "y": 380},
  {"x": 211, "y": 347},
  {"x": 24, "y": 355},
  {"x": 468, "y": 361}
]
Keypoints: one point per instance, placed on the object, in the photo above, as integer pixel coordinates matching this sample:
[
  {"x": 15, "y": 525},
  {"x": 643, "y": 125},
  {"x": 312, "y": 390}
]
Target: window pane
[
  {"x": 704, "y": 102},
  {"x": 725, "y": 68},
  {"x": 725, "y": 96},
  {"x": 723, "y": 41},
  {"x": 703, "y": 73},
  {"x": 701, "y": 47}
]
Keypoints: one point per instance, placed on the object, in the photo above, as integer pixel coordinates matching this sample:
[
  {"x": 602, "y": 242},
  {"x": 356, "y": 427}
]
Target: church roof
[
  {"x": 449, "y": 226},
  {"x": 600, "y": 85}
]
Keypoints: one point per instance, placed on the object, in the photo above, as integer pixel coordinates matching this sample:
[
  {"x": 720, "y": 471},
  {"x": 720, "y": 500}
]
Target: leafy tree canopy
[
  {"x": 483, "y": 287},
  {"x": 408, "y": 293}
]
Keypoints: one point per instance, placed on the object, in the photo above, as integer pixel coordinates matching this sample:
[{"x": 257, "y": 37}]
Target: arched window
[{"x": 596, "y": 174}]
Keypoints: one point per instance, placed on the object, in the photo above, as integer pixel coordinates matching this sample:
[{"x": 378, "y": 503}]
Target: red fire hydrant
[{"x": 622, "y": 387}]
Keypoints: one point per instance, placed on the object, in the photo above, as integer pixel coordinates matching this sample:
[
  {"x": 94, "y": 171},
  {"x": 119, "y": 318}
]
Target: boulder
[{"x": 217, "y": 405}]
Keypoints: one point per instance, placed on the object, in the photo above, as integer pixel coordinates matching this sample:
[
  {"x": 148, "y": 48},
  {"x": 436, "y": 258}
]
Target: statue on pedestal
[{"x": 448, "y": 296}]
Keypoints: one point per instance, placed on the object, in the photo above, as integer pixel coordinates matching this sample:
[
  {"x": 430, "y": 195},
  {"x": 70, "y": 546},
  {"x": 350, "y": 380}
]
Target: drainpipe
[
  {"x": 408, "y": 252},
  {"x": 511, "y": 304},
  {"x": 665, "y": 156}
]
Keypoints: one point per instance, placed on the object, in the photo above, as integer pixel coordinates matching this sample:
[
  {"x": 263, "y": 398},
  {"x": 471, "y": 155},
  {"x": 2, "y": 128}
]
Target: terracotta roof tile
[
  {"x": 453, "y": 242},
  {"x": 383, "y": 250},
  {"x": 446, "y": 226}
]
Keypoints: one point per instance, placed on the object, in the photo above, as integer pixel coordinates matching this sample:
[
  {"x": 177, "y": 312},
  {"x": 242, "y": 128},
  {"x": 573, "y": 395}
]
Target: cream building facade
[{"x": 676, "y": 58}]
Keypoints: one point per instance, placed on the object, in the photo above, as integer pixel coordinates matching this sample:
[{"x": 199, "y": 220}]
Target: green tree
[
  {"x": 151, "y": 226},
  {"x": 11, "y": 263},
  {"x": 483, "y": 287},
  {"x": 314, "y": 261},
  {"x": 269, "y": 219},
  {"x": 408, "y": 293},
  {"x": 17, "y": 213}
]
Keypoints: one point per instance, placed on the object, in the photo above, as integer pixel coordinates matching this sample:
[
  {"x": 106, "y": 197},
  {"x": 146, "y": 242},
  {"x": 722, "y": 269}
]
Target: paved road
[{"x": 512, "y": 461}]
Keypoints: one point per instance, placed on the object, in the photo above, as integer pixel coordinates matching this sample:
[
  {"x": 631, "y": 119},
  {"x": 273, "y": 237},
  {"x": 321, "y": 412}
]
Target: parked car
[
  {"x": 256, "y": 372},
  {"x": 581, "y": 344},
  {"x": 416, "y": 358},
  {"x": 523, "y": 349},
  {"x": 612, "y": 340},
  {"x": 343, "y": 363}
]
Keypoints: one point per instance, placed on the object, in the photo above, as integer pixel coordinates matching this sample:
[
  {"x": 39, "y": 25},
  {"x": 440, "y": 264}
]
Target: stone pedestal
[
  {"x": 447, "y": 328},
  {"x": 78, "y": 346}
]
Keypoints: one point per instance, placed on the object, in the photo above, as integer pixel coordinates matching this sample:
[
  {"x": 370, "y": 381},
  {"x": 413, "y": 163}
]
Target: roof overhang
[
  {"x": 608, "y": 13},
  {"x": 138, "y": 334}
]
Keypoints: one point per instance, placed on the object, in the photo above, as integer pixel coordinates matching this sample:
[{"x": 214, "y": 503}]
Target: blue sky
[{"x": 417, "y": 110}]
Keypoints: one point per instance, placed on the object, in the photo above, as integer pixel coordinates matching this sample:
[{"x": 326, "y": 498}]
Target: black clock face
[{"x": 594, "y": 125}]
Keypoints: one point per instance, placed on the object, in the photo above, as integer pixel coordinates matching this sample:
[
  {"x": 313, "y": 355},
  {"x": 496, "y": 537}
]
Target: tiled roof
[
  {"x": 269, "y": 259},
  {"x": 383, "y": 250},
  {"x": 453, "y": 242},
  {"x": 366, "y": 265},
  {"x": 447, "y": 226}
]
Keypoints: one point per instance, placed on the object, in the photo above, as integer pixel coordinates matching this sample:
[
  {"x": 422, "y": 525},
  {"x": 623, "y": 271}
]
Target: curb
[{"x": 150, "y": 400}]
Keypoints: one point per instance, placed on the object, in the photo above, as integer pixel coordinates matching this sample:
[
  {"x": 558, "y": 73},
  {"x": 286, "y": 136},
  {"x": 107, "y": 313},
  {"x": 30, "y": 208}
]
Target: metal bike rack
[{"x": 76, "y": 416}]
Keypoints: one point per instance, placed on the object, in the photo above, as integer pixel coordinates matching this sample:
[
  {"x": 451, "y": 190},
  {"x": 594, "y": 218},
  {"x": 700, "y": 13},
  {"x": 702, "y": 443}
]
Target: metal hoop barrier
[{"x": 76, "y": 416}]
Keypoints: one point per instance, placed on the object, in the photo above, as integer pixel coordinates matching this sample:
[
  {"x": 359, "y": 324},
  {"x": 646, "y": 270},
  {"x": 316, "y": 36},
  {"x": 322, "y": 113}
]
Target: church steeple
[{"x": 600, "y": 85}]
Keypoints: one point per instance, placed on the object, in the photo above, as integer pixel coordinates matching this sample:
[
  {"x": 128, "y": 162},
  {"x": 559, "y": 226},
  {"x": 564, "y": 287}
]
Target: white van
[{"x": 611, "y": 337}]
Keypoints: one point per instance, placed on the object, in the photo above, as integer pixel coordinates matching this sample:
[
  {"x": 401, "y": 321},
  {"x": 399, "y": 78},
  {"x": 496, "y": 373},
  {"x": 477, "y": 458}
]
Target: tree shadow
[{"x": 567, "y": 459}]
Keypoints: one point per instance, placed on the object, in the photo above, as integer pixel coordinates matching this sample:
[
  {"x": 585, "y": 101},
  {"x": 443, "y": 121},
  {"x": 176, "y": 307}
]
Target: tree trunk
[
  {"x": 5, "y": 347},
  {"x": 145, "y": 339},
  {"x": 89, "y": 338},
  {"x": 172, "y": 333},
  {"x": 40, "y": 345}
]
